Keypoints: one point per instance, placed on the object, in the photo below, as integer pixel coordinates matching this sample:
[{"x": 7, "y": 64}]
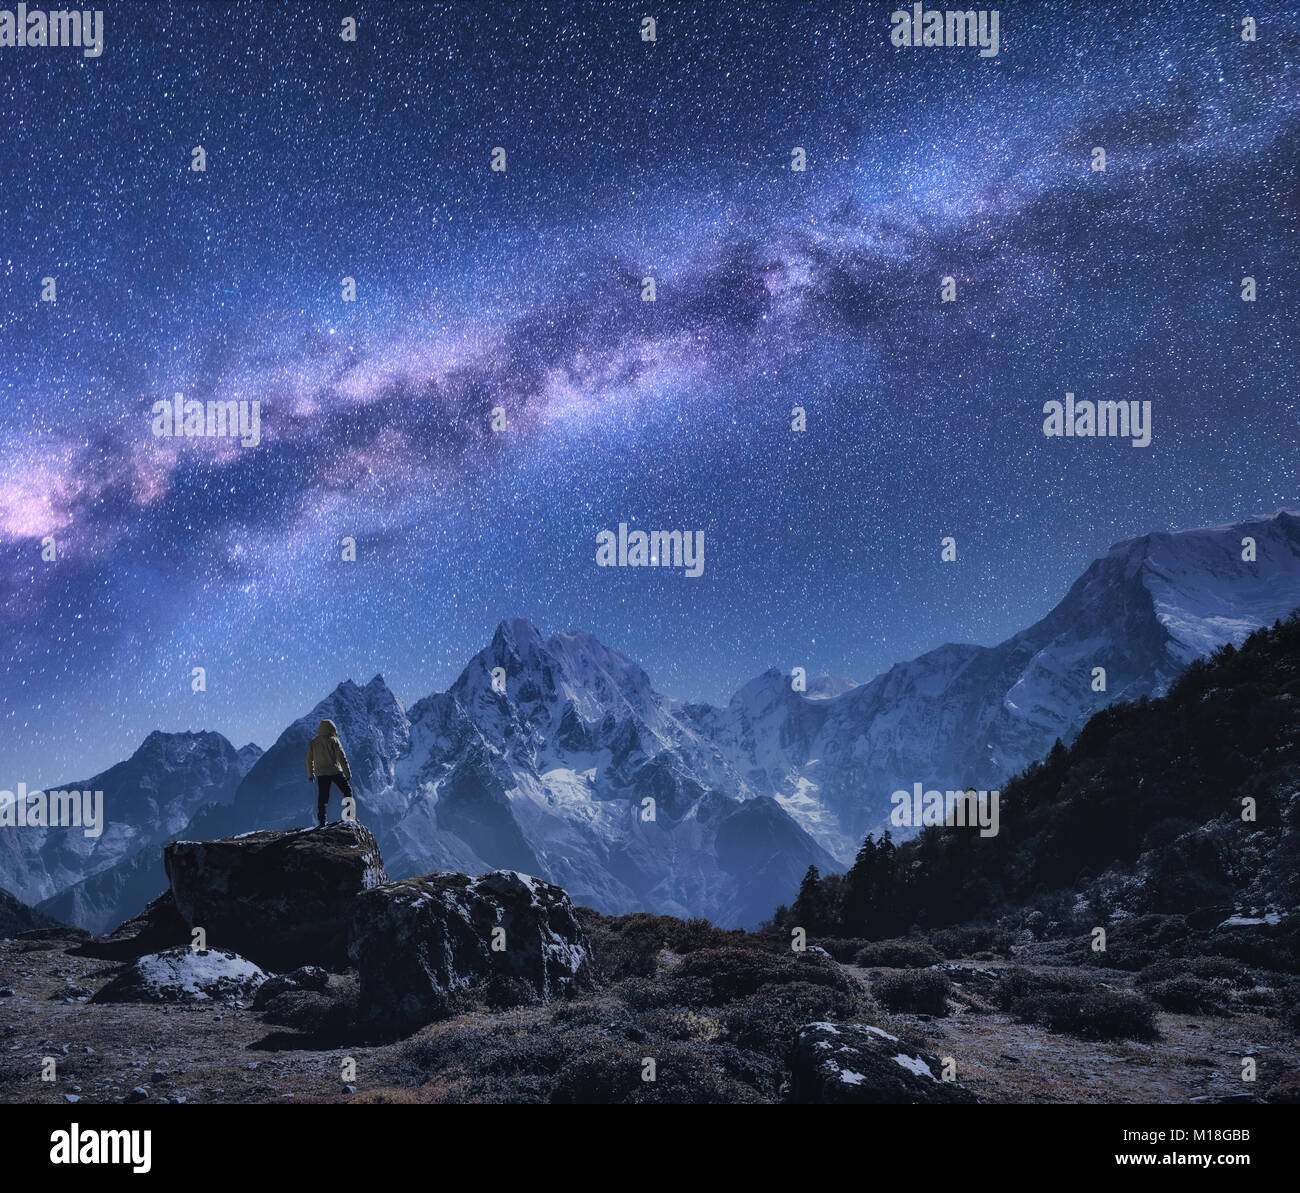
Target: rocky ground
[
  {"x": 205, "y": 1053},
  {"x": 130, "y": 1052},
  {"x": 1194, "y": 1057},
  {"x": 283, "y": 966}
]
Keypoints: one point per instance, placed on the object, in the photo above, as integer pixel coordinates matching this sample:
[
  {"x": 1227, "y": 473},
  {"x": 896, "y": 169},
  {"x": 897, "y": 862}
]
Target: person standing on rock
[{"x": 326, "y": 763}]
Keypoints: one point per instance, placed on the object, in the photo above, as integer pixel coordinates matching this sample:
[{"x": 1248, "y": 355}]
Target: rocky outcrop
[
  {"x": 282, "y": 899},
  {"x": 182, "y": 975},
  {"x": 856, "y": 1064},
  {"x": 16, "y": 917},
  {"x": 159, "y": 926},
  {"x": 417, "y": 942}
]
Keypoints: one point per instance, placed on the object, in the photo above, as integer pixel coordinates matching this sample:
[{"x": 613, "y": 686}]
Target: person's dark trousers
[{"x": 323, "y": 793}]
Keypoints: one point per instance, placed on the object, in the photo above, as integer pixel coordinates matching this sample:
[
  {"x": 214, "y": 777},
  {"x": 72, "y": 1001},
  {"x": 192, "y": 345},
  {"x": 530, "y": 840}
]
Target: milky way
[{"x": 522, "y": 290}]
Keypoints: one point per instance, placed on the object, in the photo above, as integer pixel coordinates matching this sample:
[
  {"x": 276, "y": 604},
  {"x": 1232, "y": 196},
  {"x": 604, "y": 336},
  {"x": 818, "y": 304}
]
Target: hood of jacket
[{"x": 327, "y": 729}]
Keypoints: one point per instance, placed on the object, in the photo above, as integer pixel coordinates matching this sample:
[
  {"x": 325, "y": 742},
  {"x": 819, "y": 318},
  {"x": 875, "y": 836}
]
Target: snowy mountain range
[
  {"x": 149, "y": 800},
  {"x": 581, "y": 773}
]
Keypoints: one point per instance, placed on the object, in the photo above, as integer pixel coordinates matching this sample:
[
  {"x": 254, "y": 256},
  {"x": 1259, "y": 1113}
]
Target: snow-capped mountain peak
[{"x": 556, "y": 755}]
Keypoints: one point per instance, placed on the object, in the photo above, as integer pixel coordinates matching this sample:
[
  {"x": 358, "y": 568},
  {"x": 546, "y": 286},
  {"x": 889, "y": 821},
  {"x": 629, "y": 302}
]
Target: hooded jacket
[{"x": 325, "y": 753}]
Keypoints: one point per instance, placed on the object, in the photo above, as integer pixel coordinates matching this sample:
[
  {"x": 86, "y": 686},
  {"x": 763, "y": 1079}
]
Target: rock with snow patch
[
  {"x": 857, "y": 1064},
  {"x": 418, "y": 941},
  {"x": 280, "y": 898},
  {"x": 182, "y": 975}
]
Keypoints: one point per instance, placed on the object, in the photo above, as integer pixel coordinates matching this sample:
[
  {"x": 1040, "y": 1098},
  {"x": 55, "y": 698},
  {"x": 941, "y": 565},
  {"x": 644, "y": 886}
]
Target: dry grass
[{"x": 210, "y": 1054}]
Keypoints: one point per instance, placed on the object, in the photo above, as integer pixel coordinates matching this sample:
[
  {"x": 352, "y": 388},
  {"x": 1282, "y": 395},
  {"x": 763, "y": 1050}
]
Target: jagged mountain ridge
[
  {"x": 964, "y": 715},
  {"x": 148, "y": 799},
  {"x": 549, "y": 776},
  {"x": 203, "y": 768}
]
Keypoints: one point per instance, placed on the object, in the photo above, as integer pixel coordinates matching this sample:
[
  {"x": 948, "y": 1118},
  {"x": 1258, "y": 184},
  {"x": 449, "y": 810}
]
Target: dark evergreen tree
[
  {"x": 859, "y": 889},
  {"x": 809, "y": 908}
]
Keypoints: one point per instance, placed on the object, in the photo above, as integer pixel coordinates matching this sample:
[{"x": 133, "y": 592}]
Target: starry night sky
[{"x": 476, "y": 289}]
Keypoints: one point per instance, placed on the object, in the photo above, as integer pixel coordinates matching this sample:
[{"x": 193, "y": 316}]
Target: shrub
[
  {"x": 1067, "y": 952},
  {"x": 767, "y": 1020},
  {"x": 646, "y": 994},
  {"x": 667, "y": 932},
  {"x": 754, "y": 1069},
  {"x": 592, "y": 1056},
  {"x": 1161, "y": 971},
  {"x": 1267, "y": 946},
  {"x": 612, "y": 1074},
  {"x": 677, "y": 1023},
  {"x": 1259, "y": 998},
  {"x": 1220, "y": 969},
  {"x": 488, "y": 1064},
  {"x": 897, "y": 954},
  {"x": 688, "y": 936},
  {"x": 331, "y": 1012},
  {"x": 616, "y": 956},
  {"x": 733, "y": 973},
  {"x": 917, "y": 992},
  {"x": 1017, "y": 983},
  {"x": 1138, "y": 941},
  {"x": 1291, "y": 1015},
  {"x": 501, "y": 993},
  {"x": 954, "y": 944},
  {"x": 1099, "y": 1015},
  {"x": 842, "y": 948},
  {"x": 629, "y": 945},
  {"x": 1284, "y": 1092},
  {"x": 1189, "y": 995},
  {"x": 303, "y": 1009}
]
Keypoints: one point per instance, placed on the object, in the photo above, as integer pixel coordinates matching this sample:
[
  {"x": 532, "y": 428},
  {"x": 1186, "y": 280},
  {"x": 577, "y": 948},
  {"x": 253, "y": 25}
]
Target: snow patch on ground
[
  {"x": 914, "y": 1064},
  {"x": 1246, "y": 921}
]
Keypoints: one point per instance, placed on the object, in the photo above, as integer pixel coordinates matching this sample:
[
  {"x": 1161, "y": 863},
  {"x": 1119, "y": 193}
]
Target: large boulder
[
  {"x": 418, "y": 941},
  {"x": 282, "y": 899},
  {"x": 854, "y": 1063},
  {"x": 182, "y": 975}
]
